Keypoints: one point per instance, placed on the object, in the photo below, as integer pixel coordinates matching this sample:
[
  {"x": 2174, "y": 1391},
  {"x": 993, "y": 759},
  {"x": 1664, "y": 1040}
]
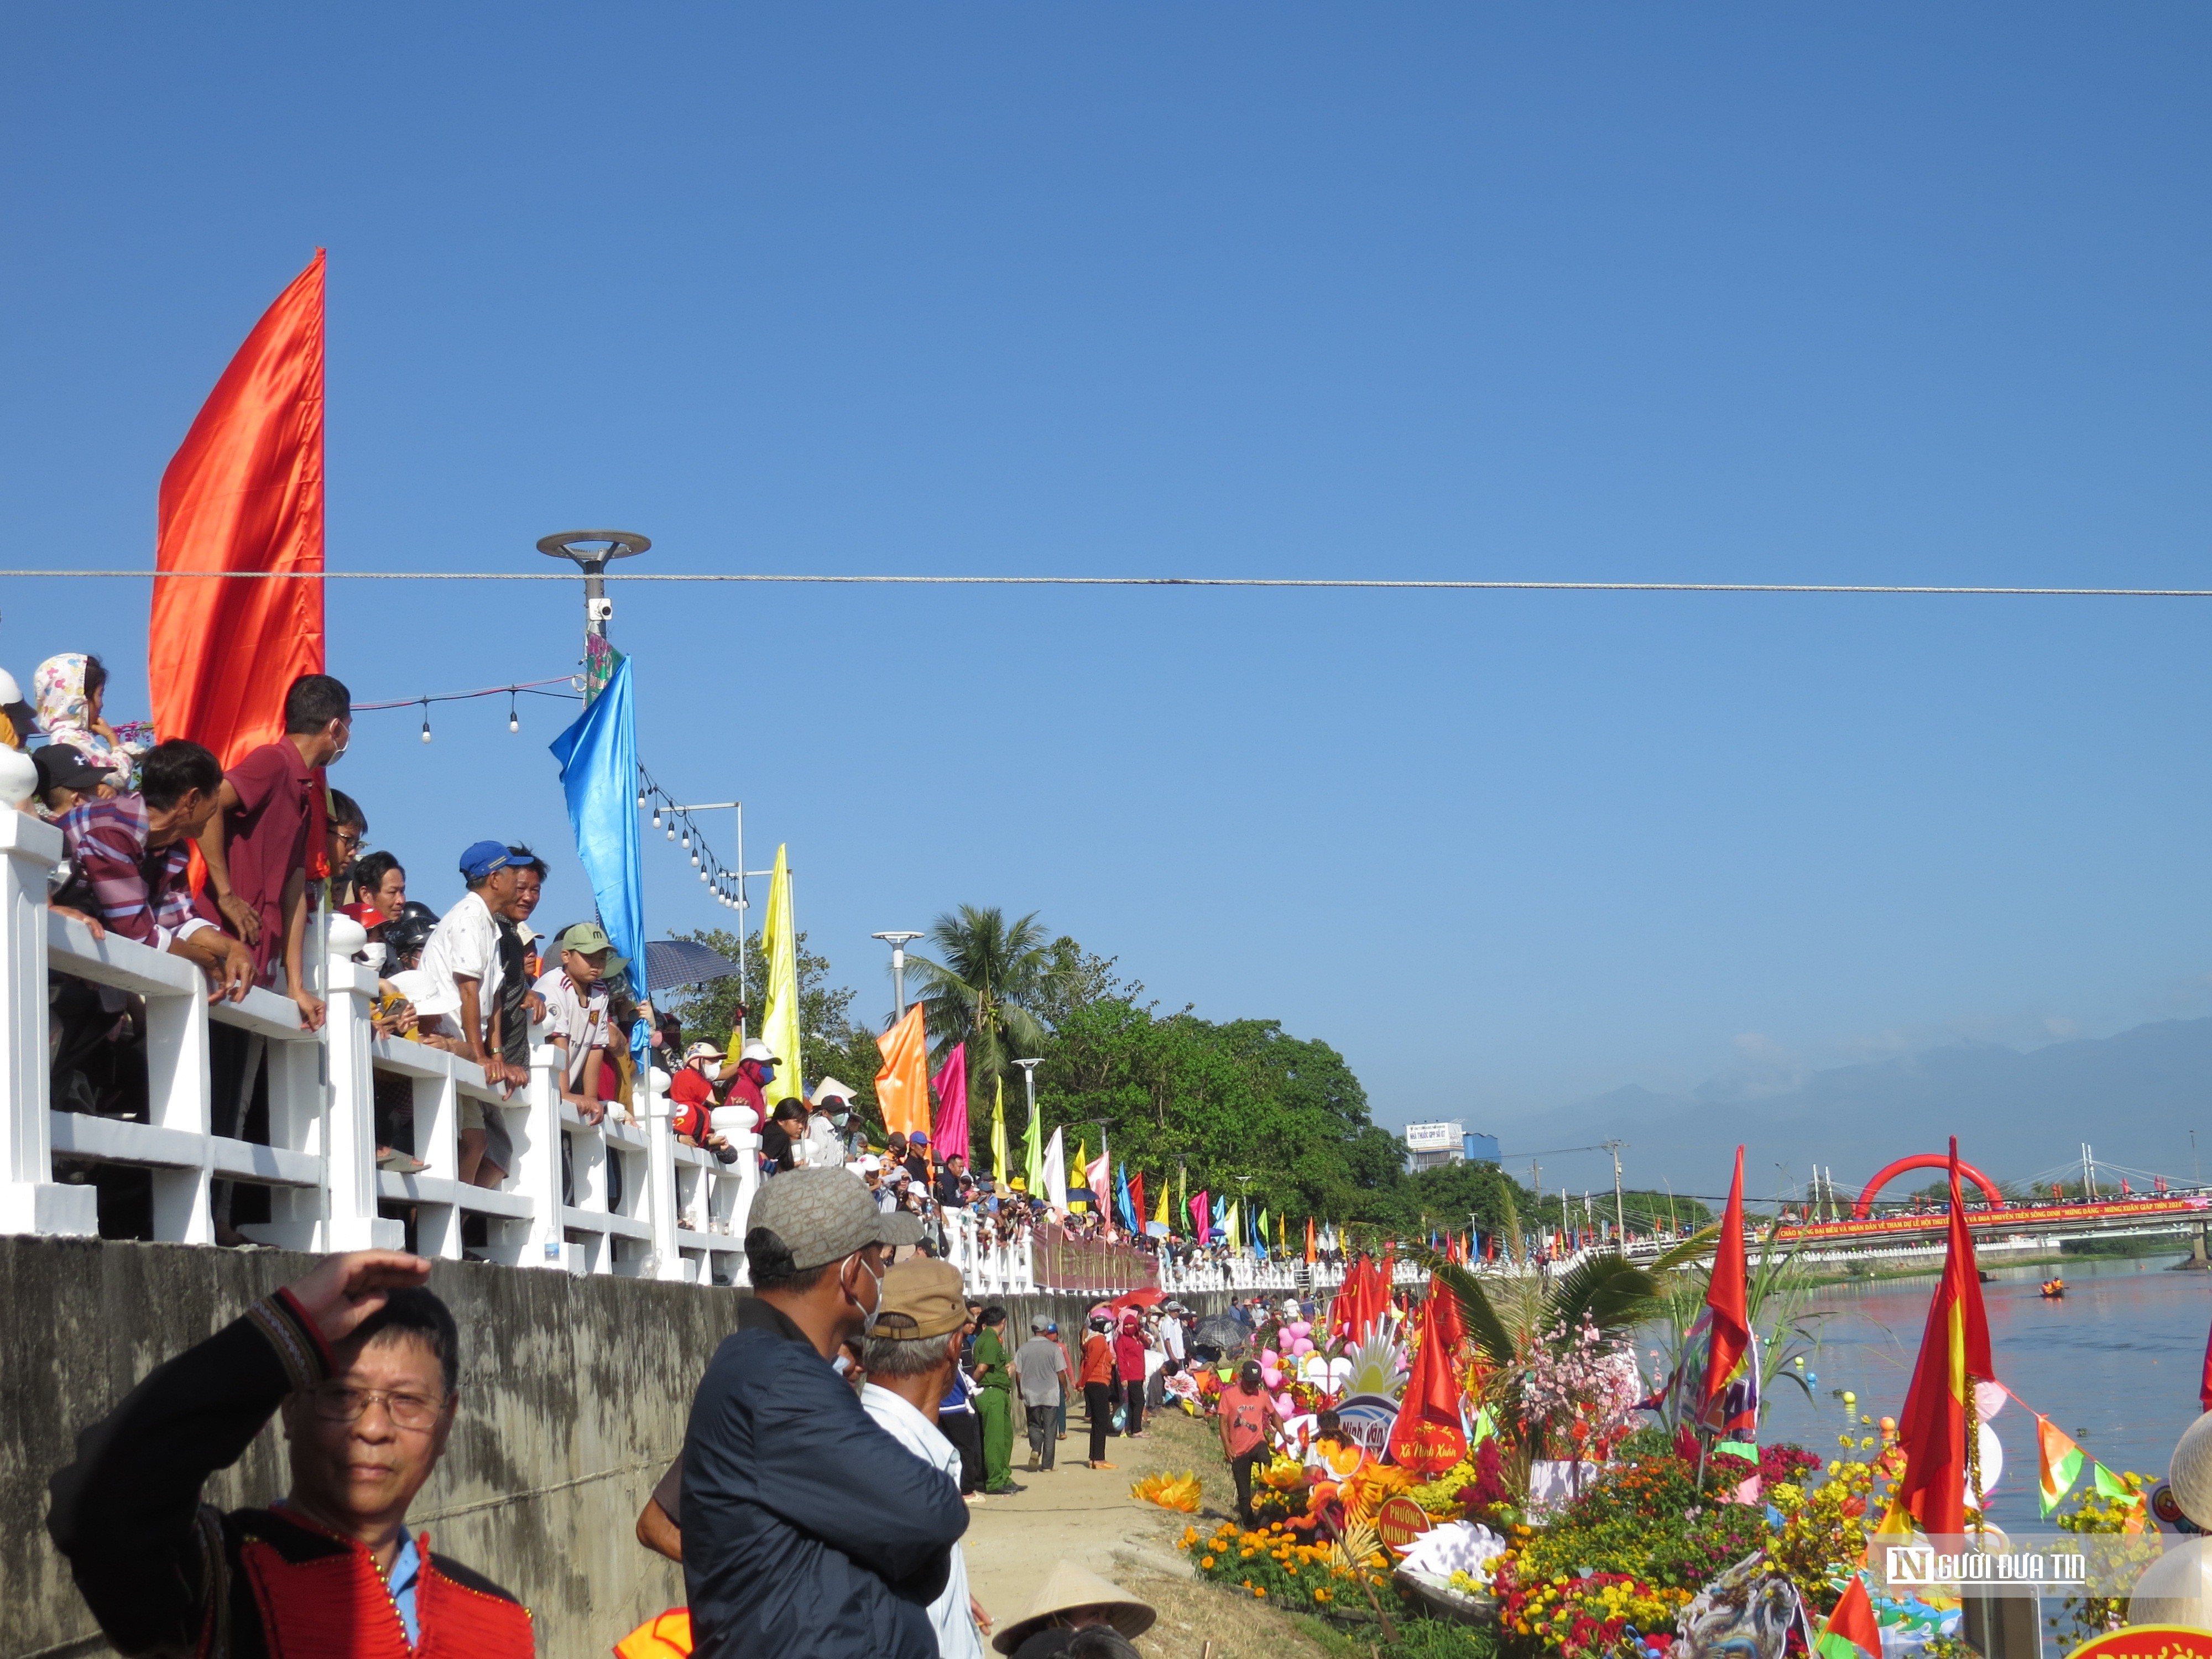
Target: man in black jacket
[
  {"x": 364, "y": 1366},
  {"x": 807, "y": 1530}
]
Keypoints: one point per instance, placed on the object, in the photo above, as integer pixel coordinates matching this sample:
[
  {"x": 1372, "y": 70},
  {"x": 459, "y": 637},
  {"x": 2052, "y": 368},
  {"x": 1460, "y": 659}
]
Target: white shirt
[
  {"x": 1172, "y": 1336},
  {"x": 465, "y": 944},
  {"x": 579, "y": 1019},
  {"x": 956, "y": 1636}
]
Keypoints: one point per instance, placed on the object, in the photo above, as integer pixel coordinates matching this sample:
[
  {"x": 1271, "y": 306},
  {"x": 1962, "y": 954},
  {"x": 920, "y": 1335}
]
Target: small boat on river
[{"x": 2054, "y": 1288}]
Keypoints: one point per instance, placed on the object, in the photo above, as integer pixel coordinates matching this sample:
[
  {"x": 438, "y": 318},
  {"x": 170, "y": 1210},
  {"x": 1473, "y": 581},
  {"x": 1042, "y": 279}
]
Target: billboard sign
[{"x": 1432, "y": 1137}]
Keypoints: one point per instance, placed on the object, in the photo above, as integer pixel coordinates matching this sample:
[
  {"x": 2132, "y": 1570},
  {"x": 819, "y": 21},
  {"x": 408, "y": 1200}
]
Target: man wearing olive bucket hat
[{"x": 1069, "y": 1603}]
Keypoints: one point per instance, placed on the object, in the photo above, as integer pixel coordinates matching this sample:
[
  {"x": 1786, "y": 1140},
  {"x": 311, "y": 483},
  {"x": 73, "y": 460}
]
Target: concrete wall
[{"x": 575, "y": 1396}]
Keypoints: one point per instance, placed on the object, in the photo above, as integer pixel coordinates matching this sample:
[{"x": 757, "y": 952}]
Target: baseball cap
[
  {"x": 925, "y": 1291},
  {"x": 822, "y": 1216},
  {"x": 584, "y": 937},
  {"x": 760, "y": 1051},
  {"x": 483, "y": 857},
  {"x": 699, "y": 1051},
  {"x": 63, "y": 767},
  {"x": 919, "y": 1137}
]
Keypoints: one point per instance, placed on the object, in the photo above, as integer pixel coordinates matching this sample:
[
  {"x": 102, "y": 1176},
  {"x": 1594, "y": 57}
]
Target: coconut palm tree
[{"x": 990, "y": 976}]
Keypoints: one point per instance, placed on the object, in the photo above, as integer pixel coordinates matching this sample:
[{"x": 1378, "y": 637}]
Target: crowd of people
[{"x": 859, "y": 1365}]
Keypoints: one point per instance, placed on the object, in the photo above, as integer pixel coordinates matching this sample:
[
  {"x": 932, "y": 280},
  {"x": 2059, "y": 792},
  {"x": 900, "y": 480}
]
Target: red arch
[{"x": 1883, "y": 1176}]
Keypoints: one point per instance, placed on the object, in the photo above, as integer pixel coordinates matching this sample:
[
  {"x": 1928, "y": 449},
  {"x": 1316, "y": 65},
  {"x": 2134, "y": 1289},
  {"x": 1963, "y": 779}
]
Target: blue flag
[
  {"x": 1129, "y": 1211},
  {"x": 598, "y": 776}
]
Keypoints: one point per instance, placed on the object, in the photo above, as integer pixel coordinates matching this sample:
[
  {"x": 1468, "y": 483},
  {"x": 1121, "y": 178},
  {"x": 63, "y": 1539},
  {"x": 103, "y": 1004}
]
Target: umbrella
[
  {"x": 1220, "y": 1334},
  {"x": 670, "y": 963}
]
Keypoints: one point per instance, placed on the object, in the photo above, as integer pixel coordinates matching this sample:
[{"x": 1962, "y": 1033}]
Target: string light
[
  {"x": 656, "y": 815},
  {"x": 513, "y": 719},
  {"x": 425, "y": 719},
  {"x": 671, "y": 828},
  {"x": 641, "y": 799}
]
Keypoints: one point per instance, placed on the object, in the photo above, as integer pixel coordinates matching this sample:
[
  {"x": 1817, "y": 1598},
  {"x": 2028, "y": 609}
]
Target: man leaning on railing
[{"x": 128, "y": 858}]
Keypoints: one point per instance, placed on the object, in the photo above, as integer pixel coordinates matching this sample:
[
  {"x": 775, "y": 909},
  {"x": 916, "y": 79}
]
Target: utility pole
[
  {"x": 1619, "y": 1216},
  {"x": 897, "y": 941}
]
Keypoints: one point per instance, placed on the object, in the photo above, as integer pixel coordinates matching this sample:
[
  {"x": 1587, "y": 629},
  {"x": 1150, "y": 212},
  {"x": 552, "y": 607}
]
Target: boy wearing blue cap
[{"x": 462, "y": 961}]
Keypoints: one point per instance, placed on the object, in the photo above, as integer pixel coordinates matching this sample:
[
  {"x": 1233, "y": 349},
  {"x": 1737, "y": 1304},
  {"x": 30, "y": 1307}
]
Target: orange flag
[
  {"x": 1311, "y": 1252},
  {"x": 1955, "y": 1354},
  {"x": 1427, "y": 1435},
  {"x": 903, "y": 1085},
  {"x": 245, "y": 492}
]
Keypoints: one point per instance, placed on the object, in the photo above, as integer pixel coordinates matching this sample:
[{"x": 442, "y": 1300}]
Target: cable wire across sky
[{"x": 1498, "y": 585}]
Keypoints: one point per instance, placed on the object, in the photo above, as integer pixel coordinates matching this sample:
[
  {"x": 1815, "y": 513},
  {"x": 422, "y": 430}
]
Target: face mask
[
  {"x": 868, "y": 1325},
  {"x": 768, "y": 1073},
  {"x": 372, "y": 954}
]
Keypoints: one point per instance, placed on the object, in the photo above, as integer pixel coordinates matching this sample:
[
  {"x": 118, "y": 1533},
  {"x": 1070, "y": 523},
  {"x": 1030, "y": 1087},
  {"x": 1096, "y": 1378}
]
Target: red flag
[
  {"x": 1427, "y": 1435},
  {"x": 245, "y": 492},
  {"x": 1851, "y": 1629},
  {"x": 1137, "y": 1200},
  {"x": 1955, "y": 1354},
  {"x": 1725, "y": 1296},
  {"x": 1445, "y": 1322},
  {"x": 2205, "y": 1384}
]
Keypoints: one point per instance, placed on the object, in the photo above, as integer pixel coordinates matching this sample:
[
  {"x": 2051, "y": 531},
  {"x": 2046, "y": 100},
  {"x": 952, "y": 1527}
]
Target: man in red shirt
[
  {"x": 257, "y": 846},
  {"x": 755, "y": 1071},
  {"x": 1246, "y": 1415}
]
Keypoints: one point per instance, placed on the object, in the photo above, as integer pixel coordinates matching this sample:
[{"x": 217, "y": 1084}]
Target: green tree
[{"x": 986, "y": 990}]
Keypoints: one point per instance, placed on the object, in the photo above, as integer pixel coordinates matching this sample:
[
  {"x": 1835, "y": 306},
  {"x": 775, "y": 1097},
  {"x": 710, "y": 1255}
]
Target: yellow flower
[
  {"x": 1322, "y": 1594},
  {"x": 1205, "y": 1561},
  {"x": 1260, "y": 1590}
]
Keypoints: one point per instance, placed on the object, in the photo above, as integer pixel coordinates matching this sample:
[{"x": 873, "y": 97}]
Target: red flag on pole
[
  {"x": 1725, "y": 1296},
  {"x": 1427, "y": 1435},
  {"x": 1445, "y": 1322},
  {"x": 1137, "y": 1200},
  {"x": 1955, "y": 1354},
  {"x": 245, "y": 492}
]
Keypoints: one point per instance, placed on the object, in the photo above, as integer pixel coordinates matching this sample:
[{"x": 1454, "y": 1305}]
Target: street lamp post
[
  {"x": 897, "y": 941},
  {"x": 1029, "y": 1090},
  {"x": 591, "y": 549}
]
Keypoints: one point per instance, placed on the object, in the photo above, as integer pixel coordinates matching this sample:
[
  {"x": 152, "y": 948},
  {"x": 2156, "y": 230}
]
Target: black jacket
[
  {"x": 808, "y": 1532},
  {"x": 159, "y": 1569}
]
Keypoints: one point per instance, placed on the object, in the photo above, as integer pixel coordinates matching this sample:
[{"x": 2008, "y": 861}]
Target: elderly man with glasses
[{"x": 362, "y": 1363}]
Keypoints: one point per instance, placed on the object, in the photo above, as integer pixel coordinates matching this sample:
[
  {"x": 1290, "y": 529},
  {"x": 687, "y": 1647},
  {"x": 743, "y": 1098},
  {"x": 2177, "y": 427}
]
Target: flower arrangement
[
  {"x": 1271, "y": 1565},
  {"x": 1579, "y": 1391},
  {"x": 1589, "y": 1614},
  {"x": 1170, "y": 1491}
]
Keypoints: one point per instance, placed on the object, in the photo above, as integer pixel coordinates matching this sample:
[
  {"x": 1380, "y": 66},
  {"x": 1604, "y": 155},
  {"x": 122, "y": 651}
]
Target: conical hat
[{"x": 1066, "y": 1588}]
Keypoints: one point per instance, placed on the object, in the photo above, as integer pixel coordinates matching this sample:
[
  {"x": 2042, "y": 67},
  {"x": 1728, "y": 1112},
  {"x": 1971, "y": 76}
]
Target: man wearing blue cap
[{"x": 462, "y": 963}]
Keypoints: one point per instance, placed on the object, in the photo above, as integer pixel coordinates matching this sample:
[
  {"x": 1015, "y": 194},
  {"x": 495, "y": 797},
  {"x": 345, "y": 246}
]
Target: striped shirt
[{"x": 141, "y": 894}]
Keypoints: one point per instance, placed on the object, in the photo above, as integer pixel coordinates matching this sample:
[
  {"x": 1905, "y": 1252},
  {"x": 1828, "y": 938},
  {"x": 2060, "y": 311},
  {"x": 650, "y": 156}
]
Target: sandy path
[{"x": 1088, "y": 1516}]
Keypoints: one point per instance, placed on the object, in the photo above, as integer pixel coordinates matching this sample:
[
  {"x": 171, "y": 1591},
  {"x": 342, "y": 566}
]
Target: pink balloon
[
  {"x": 1303, "y": 1344},
  {"x": 1269, "y": 1357},
  {"x": 1303, "y": 1327},
  {"x": 1272, "y": 1377},
  {"x": 1285, "y": 1405}
]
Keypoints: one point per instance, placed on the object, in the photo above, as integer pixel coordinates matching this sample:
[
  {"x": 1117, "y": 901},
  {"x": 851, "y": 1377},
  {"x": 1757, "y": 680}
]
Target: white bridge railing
[{"x": 617, "y": 1197}]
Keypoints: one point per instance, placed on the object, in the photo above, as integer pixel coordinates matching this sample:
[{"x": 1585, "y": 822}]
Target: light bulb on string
[
  {"x": 656, "y": 815},
  {"x": 513, "y": 719},
  {"x": 425, "y": 719},
  {"x": 671, "y": 828},
  {"x": 702, "y": 875},
  {"x": 641, "y": 801},
  {"x": 687, "y": 836}
]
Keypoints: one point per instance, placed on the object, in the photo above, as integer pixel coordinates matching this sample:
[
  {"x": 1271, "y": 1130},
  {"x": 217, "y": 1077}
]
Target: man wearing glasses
[{"x": 362, "y": 1364}]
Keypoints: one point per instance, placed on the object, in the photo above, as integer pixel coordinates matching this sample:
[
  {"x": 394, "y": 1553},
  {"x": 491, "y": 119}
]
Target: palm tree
[{"x": 991, "y": 977}]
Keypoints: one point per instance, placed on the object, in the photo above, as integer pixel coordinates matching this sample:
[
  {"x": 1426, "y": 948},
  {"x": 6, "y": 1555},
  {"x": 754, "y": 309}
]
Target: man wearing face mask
[
  {"x": 750, "y": 1078},
  {"x": 807, "y": 1530}
]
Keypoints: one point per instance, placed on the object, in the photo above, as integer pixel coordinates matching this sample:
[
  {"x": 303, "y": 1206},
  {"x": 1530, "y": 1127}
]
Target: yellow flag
[
  {"x": 1160, "y": 1214},
  {"x": 779, "y": 1023},
  {"x": 1232, "y": 1224},
  {"x": 1082, "y": 1162},
  {"x": 999, "y": 1133}
]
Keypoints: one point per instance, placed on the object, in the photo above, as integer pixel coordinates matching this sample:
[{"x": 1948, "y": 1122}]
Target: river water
[{"x": 2116, "y": 1363}]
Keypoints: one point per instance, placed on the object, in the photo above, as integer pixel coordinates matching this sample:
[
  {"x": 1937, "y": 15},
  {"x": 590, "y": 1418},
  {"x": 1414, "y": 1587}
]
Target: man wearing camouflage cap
[{"x": 808, "y": 1531}]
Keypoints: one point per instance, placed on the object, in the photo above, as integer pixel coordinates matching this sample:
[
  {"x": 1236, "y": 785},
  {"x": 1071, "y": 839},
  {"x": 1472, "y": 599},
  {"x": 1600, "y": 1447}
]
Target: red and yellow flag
[
  {"x": 1852, "y": 1632},
  {"x": 1725, "y": 1295},
  {"x": 1955, "y": 1354},
  {"x": 1427, "y": 1435}
]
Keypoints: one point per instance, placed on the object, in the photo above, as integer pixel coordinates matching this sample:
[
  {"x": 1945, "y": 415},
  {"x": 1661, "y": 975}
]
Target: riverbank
[{"x": 1933, "y": 1267}]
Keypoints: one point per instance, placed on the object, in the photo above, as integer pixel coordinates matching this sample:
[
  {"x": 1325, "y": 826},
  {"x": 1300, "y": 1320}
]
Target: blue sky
[{"x": 1721, "y": 293}]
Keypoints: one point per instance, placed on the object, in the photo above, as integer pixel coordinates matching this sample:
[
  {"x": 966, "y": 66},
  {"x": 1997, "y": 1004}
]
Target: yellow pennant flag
[
  {"x": 779, "y": 1022},
  {"x": 1160, "y": 1214},
  {"x": 999, "y": 1133},
  {"x": 903, "y": 1085}
]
